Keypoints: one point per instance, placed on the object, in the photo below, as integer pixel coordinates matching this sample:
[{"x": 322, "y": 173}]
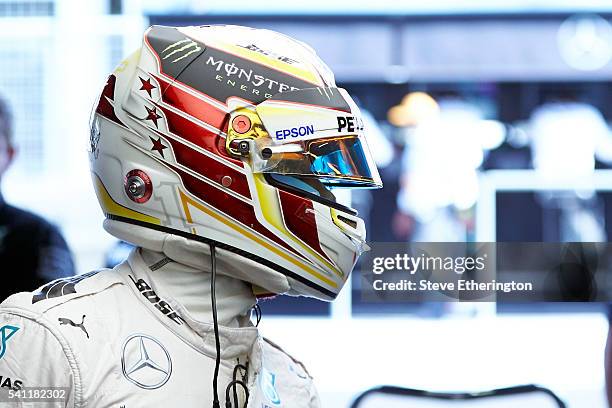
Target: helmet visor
[{"x": 318, "y": 133}]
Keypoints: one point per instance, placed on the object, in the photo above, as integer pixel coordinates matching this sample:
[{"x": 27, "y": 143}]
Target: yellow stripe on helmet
[
  {"x": 186, "y": 201},
  {"x": 111, "y": 207}
]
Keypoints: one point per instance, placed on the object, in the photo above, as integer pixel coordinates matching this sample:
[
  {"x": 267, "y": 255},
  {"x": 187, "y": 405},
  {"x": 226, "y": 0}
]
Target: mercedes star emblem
[{"x": 145, "y": 362}]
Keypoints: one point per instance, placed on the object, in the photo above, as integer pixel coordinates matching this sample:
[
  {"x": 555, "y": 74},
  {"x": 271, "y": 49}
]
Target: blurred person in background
[
  {"x": 32, "y": 251},
  {"x": 567, "y": 136},
  {"x": 447, "y": 141}
]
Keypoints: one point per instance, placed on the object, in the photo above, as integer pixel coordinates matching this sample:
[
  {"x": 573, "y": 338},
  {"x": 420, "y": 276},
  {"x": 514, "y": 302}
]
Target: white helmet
[{"x": 234, "y": 136}]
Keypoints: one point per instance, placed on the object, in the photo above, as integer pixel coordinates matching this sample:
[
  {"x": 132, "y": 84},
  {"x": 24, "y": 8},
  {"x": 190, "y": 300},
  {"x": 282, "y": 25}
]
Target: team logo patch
[
  {"x": 6, "y": 332},
  {"x": 145, "y": 362},
  {"x": 267, "y": 382}
]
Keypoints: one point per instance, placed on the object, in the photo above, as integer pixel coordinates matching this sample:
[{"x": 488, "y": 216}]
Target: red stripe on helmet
[
  {"x": 228, "y": 205},
  {"x": 204, "y": 138},
  {"x": 197, "y": 107},
  {"x": 299, "y": 218},
  {"x": 210, "y": 168}
]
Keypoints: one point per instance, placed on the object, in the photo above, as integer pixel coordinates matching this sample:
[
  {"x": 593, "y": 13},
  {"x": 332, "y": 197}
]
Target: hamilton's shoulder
[
  {"x": 61, "y": 293},
  {"x": 297, "y": 384},
  {"x": 275, "y": 352}
]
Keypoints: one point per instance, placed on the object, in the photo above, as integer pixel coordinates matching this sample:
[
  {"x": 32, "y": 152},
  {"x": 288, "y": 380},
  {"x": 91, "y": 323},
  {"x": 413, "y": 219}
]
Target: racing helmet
[{"x": 238, "y": 137}]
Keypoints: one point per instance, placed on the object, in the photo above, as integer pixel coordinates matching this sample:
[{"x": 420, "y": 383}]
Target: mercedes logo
[{"x": 145, "y": 362}]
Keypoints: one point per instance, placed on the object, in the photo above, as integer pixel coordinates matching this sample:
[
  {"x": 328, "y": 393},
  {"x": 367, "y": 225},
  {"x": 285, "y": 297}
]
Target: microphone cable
[
  {"x": 235, "y": 382},
  {"x": 232, "y": 386},
  {"x": 257, "y": 310},
  {"x": 213, "y": 298}
]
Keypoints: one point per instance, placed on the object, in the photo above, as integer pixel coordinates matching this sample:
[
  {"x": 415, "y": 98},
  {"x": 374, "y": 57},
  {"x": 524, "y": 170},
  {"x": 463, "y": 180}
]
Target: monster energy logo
[
  {"x": 246, "y": 77},
  {"x": 187, "y": 46}
]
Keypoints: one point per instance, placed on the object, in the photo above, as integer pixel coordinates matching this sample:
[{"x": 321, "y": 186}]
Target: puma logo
[{"x": 63, "y": 320}]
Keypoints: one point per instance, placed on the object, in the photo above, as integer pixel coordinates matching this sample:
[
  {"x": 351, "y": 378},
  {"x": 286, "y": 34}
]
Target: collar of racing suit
[
  {"x": 237, "y": 342},
  {"x": 190, "y": 287},
  {"x": 270, "y": 370}
]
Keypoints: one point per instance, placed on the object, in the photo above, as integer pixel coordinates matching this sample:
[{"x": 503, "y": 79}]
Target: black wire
[
  {"x": 213, "y": 298},
  {"x": 257, "y": 310},
  {"x": 238, "y": 366},
  {"x": 233, "y": 384}
]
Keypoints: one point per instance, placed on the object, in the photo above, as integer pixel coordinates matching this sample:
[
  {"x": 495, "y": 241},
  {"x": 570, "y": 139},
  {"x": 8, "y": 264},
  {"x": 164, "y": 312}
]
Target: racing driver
[{"x": 214, "y": 150}]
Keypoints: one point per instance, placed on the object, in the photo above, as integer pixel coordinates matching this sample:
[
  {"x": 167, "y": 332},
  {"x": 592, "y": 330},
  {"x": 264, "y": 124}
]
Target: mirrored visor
[
  {"x": 316, "y": 133},
  {"x": 340, "y": 162}
]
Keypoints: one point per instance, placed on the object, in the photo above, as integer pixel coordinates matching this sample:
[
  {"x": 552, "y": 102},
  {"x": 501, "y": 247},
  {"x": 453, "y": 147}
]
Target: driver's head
[{"x": 236, "y": 136}]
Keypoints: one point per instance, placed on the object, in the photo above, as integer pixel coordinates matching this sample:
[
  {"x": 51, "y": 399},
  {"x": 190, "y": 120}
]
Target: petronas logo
[
  {"x": 6, "y": 332},
  {"x": 181, "y": 49}
]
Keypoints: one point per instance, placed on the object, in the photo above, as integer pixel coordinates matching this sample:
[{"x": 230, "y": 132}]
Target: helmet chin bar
[
  {"x": 326, "y": 294},
  {"x": 352, "y": 232}
]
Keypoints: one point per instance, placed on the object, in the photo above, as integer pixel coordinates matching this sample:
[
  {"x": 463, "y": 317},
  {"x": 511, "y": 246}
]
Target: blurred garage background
[{"x": 492, "y": 124}]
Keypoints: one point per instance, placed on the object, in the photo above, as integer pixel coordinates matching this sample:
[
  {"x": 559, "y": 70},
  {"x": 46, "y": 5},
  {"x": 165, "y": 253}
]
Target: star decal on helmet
[
  {"x": 158, "y": 145},
  {"x": 152, "y": 115},
  {"x": 146, "y": 85}
]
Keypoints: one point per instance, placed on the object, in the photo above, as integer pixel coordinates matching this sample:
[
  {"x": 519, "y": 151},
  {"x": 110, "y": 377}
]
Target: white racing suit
[{"x": 117, "y": 339}]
